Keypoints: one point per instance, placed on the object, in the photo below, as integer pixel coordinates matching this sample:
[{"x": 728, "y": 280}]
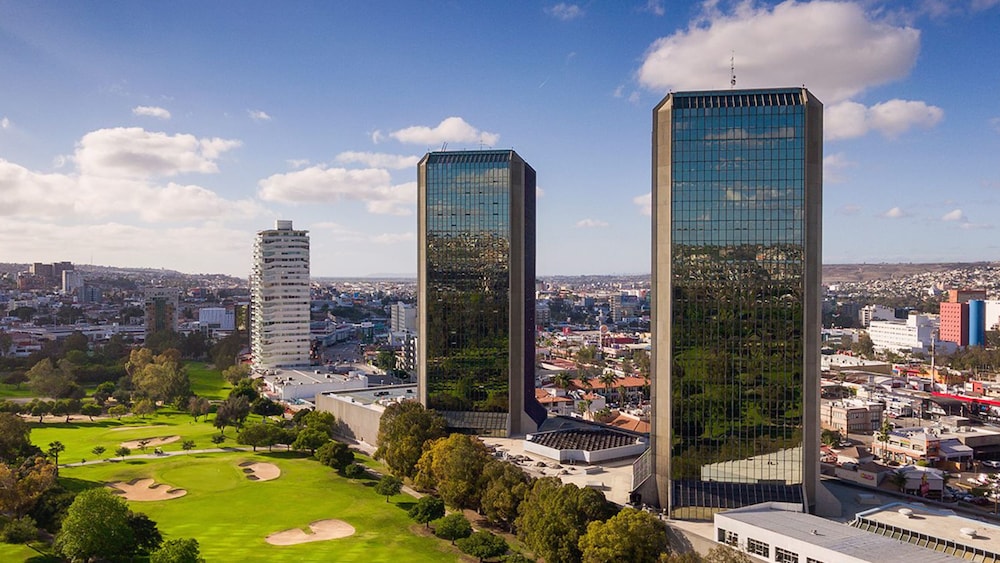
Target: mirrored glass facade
[
  {"x": 476, "y": 299},
  {"x": 737, "y": 198}
]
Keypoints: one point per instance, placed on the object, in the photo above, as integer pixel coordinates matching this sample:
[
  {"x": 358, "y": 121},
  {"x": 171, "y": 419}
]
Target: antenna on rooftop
[
  {"x": 732, "y": 69},
  {"x": 444, "y": 146}
]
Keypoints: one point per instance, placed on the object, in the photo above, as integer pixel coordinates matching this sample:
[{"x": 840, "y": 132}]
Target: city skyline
[{"x": 133, "y": 135}]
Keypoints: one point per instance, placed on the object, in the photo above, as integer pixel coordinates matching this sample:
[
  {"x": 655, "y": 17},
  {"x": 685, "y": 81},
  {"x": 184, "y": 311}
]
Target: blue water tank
[{"x": 977, "y": 322}]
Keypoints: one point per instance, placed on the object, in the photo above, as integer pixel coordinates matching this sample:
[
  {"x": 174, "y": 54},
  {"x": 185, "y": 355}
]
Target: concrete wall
[{"x": 354, "y": 420}]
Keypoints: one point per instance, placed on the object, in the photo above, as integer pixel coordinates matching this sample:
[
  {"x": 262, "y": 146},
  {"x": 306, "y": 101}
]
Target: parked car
[{"x": 991, "y": 463}]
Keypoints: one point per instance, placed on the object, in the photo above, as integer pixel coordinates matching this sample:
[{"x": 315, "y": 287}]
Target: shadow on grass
[
  {"x": 282, "y": 454},
  {"x": 78, "y": 485},
  {"x": 406, "y": 505}
]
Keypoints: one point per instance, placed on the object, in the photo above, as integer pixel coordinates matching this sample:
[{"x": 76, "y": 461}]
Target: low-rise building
[{"x": 852, "y": 416}]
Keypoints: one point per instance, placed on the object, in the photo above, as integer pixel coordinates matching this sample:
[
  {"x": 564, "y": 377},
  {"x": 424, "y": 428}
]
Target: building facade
[
  {"x": 737, "y": 221},
  {"x": 914, "y": 335},
  {"x": 476, "y": 300},
  {"x": 160, "y": 308},
  {"x": 279, "y": 294}
]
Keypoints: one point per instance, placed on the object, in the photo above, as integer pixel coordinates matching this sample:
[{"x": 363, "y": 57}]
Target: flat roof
[
  {"x": 941, "y": 524},
  {"x": 840, "y": 538},
  {"x": 374, "y": 395}
]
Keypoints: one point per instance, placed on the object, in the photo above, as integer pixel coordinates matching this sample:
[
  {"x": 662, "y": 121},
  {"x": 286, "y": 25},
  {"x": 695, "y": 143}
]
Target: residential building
[
  {"x": 72, "y": 282},
  {"x": 852, "y": 416},
  {"x": 160, "y": 307},
  {"x": 279, "y": 294},
  {"x": 403, "y": 317},
  {"x": 217, "y": 318},
  {"x": 476, "y": 296},
  {"x": 737, "y": 222},
  {"x": 870, "y": 313}
]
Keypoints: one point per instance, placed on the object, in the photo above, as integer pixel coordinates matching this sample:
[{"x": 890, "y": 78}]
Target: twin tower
[{"x": 737, "y": 222}]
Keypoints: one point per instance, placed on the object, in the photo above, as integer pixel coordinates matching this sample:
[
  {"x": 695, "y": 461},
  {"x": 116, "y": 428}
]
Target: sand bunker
[
  {"x": 322, "y": 530},
  {"x": 150, "y": 442},
  {"x": 146, "y": 489},
  {"x": 261, "y": 471}
]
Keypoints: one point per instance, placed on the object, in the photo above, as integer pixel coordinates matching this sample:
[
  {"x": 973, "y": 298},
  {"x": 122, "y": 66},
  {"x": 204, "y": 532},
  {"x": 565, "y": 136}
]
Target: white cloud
[
  {"x": 258, "y": 115},
  {"x": 655, "y": 7},
  {"x": 297, "y": 162},
  {"x": 834, "y": 48},
  {"x": 894, "y": 213},
  {"x": 377, "y": 137},
  {"x": 591, "y": 224},
  {"x": 325, "y": 185},
  {"x": 955, "y": 215},
  {"x": 378, "y": 160},
  {"x": 452, "y": 129},
  {"x": 565, "y": 11},
  {"x": 833, "y": 167},
  {"x": 539, "y": 192},
  {"x": 5, "y": 123},
  {"x": 392, "y": 238},
  {"x": 849, "y": 209},
  {"x": 151, "y": 111},
  {"x": 619, "y": 91},
  {"x": 337, "y": 232},
  {"x": 134, "y": 152},
  {"x": 645, "y": 203},
  {"x": 848, "y": 120}
]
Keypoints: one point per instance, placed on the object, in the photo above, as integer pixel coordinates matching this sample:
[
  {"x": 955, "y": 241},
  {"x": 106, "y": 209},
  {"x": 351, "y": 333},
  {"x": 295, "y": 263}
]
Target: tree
[
  {"x": 562, "y": 380},
  {"x": 48, "y": 380},
  {"x": 266, "y": 407},
  {"x": 96, "y": 527},
  {"x": 310, "y": 439},
  {"x": 23, "y": 483},
  {"x": 608, "y": 379},
  {"x": 506, "y": 487},
  {"x": 146, "y": 535},
  {"x": 98, "y": 450},
  {"x": 454, "y": 466},
  {"x": 898, "y": 478},
  {"x": 56, "y": 448},
  {"x": 255, "y": 435},
  {"x": 403, "y": 429},
  {"x": 320, "y": 420},
  {"x": 388, "y": 486},
  {"x": 118, "y": 411},
  {"x": 6, "y": 341},
  {"x": 335, "y": 454},
  {"x": 144, "y": 408},
  {"x": 553, "y": 517},
  {"x": 236, "y": 373},
  {"x": 162, "y": 378},
  {"x": 830, "y": 437},
  {"x": 426, "y": 509},
  {"x": 232, "y": 412},
  {"x": 40, "y": 408},
  {"x": 630, "y": 535},
  {"x": 187, "y": 445},
  {"x": 218, "y": 439},
  {"x": 15, "y": 437},
  {"x": 91, "y": 410},
  {"x": 224, "y": 351},
  {"x": 386, "y": 360},
  {"x": 198, "y": 406},
  {"x": 726, "y": 554},
  {"x": 355, "y": 471},
  {"x": 65, "y": 407},
  {"x": 183, "y": 550},
  {"x": 483, "y": 545},
  {"x": 452, "y": 527},
  {"x": 123, "y": 451}
]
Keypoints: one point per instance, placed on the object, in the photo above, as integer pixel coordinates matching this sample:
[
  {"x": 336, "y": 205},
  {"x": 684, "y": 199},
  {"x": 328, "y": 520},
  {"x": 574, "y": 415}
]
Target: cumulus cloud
[
  {"x": 655, "y": 7},
  {"x": 317, "y": 184},
  {"x": 894, "y": 213},
  {"x": 591, "y": 224},
  {"x": 378, "y": 160},
  {"x": 5, "y": 123},
  {"x": 452, "y": 129},
  {"x": 135, "y": 152},
  {"x": 955, "y": 215},
  {"x": 833, "y": 167},
  {"x": 848, "y": 120},
  {"x": 565, "y": 12},
  {"x": 645, "y": 203},
  {"x": 151, "y": 111},
  {"x": 258, "y": 115},
  {"x": 297, "y": 162},
  {"x": 835, "y": 48}
]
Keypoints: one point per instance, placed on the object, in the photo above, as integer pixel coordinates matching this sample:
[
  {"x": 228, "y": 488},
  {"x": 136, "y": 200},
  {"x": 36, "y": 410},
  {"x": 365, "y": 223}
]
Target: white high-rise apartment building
[{"x": 279, "y": 294}]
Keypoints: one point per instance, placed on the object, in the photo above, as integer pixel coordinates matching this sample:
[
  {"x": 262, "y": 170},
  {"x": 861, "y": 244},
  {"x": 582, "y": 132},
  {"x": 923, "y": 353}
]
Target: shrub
[
  {"x": 354, "y": 471},
  {"x": 453, "y": 527},
  {"x": 19, "y": 530}
]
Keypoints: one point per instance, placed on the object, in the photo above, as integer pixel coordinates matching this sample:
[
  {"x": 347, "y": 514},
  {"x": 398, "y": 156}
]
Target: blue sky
[{"x": 165, "y": 134}]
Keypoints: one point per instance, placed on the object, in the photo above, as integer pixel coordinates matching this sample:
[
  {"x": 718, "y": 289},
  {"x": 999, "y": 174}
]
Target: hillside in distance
[{"x": 835, "y": 273}]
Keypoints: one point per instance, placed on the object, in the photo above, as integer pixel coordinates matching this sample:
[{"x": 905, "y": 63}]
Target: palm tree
[
  {"x": 898, "y": 478},
  {"x": 608, "y": 378},
  {"x": 562, "y": 380}
]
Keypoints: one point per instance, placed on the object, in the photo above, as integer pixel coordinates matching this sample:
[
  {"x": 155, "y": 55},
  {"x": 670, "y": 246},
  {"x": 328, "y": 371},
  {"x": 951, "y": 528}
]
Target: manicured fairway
[
  {"x": 80, "y": 436},
  {"x": 231, "y": 515},
  {"x": 206, "y": 381}
]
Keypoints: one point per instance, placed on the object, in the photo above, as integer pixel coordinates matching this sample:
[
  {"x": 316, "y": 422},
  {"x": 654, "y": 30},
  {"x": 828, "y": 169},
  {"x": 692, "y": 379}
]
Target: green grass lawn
[
  {"x": 8, "y": 391},
  {"x": 80, "y": 436},
  {"x": 230, "y": 515},
  {"x": 206, "y": 381}
]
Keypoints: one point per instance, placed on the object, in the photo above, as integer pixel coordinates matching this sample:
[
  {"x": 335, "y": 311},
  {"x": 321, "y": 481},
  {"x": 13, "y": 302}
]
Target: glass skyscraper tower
[
  {"x": 476, "y": 299},
  {"x": 737, "y": 211}
]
